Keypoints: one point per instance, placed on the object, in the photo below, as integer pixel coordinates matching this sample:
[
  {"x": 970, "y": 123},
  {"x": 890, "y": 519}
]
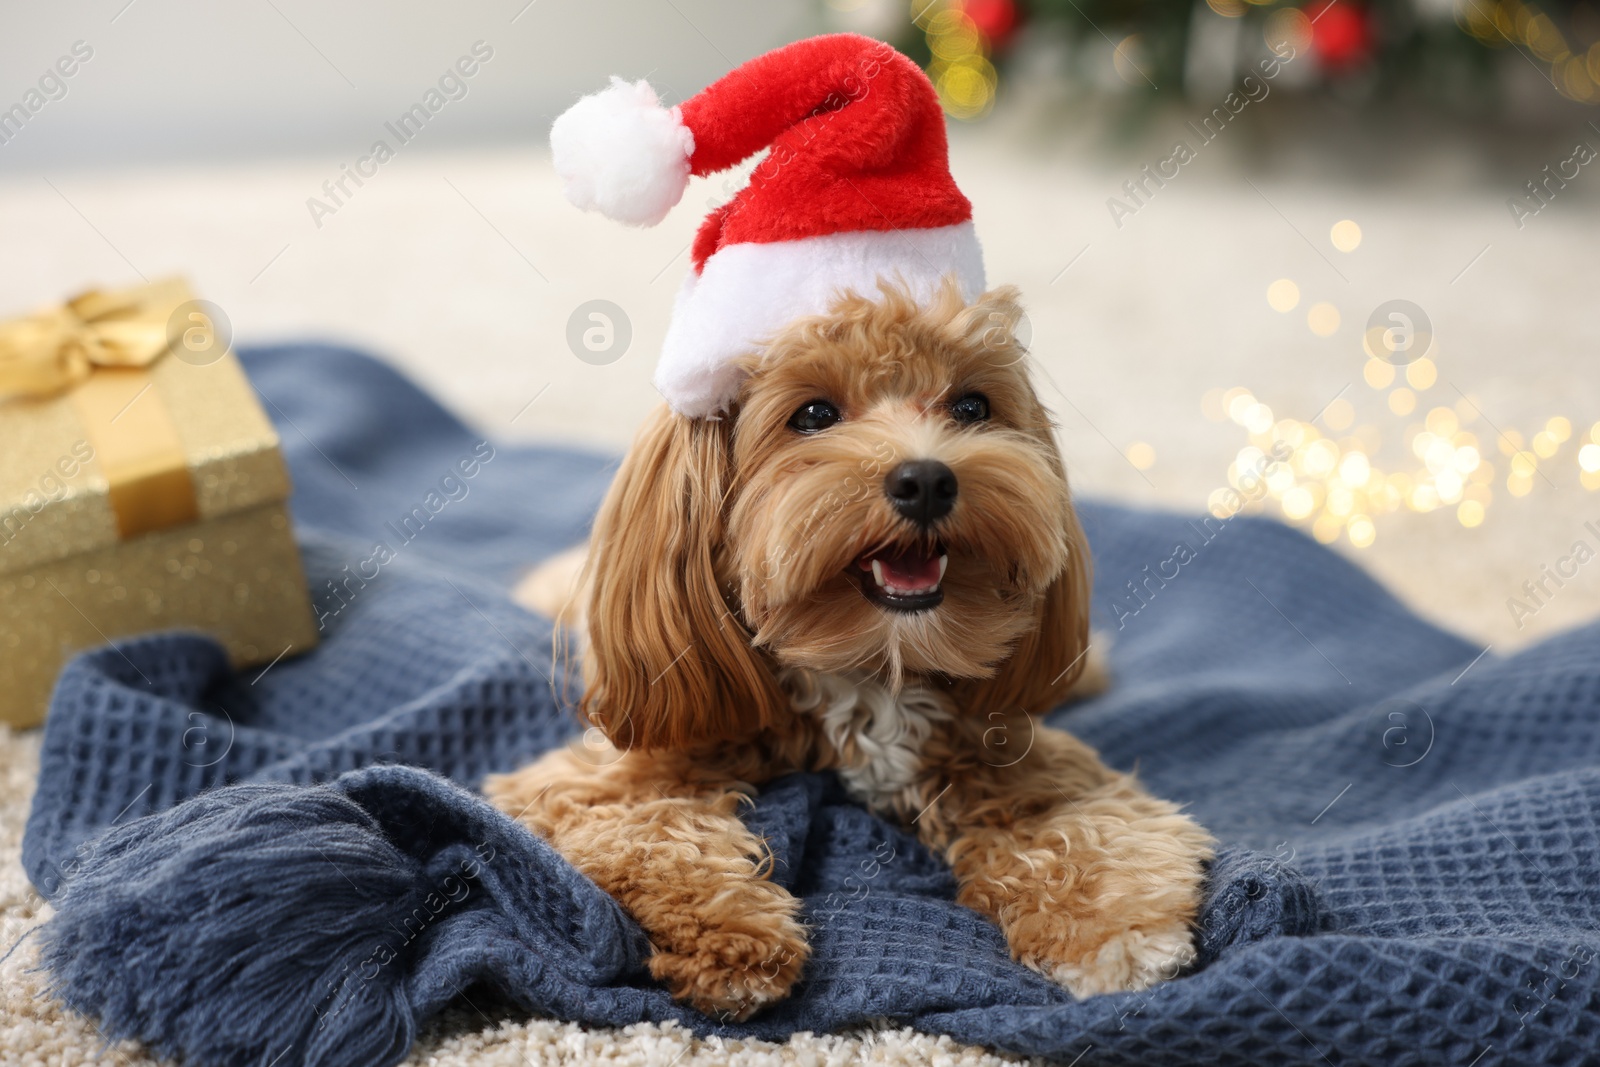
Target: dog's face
[
  {"x": 897, "y": 500},
  {"x": 885, "y": 496}
]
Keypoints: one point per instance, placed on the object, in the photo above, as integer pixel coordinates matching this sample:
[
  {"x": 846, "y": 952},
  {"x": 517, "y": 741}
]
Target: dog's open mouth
[{"x": 904, "y": 579}]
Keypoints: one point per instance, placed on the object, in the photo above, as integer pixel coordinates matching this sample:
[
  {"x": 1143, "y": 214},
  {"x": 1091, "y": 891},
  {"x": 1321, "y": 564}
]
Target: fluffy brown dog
[{"x": 872, "y": 566}]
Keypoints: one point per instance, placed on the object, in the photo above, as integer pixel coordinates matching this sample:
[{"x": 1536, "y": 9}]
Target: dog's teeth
[
  {"x": 877, "y": 574},
  {"x": 944, "y": 561}
]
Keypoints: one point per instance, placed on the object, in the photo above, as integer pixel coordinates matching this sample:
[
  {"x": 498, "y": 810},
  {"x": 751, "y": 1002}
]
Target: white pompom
[{"x": 619, "y": 152}]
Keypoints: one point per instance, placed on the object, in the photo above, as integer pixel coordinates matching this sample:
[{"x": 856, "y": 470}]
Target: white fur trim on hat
[
  {"x": 747, "y": 292},
  {"x": 619, "y": 152}
]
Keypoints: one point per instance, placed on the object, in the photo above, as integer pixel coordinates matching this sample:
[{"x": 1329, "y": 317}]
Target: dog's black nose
[{"x": 922, "y": 490}]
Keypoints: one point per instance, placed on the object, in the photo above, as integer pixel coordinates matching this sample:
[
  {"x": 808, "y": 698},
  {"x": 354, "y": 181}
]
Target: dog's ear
[
  {"x": 1048, "y": 660},
  {"x": 667, "y": 662}
]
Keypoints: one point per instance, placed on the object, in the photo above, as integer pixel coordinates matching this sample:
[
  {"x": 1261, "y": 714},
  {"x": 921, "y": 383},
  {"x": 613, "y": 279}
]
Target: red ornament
[
  {"x": 1341, "y": 34},
  {"x": 995, "y": 19}
]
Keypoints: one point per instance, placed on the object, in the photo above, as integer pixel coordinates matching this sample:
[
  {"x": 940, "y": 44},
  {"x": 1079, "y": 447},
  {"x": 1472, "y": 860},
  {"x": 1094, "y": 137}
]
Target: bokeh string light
[
  {"x": 1341, "y": 480},
  {"x": 1511, "y": 23},
  {"x": 1352, "y": 43},
  {"x": 960, "y": 36}
]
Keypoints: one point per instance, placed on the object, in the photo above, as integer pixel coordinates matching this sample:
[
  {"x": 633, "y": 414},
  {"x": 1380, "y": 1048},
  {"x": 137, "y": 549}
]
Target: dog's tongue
[
  {"x": 905, "y": 571},
  {"x": 912, "y": 571}
]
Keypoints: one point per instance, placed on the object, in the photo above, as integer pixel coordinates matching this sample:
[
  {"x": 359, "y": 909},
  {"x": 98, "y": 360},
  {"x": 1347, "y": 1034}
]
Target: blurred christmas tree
[{"x": 1451, "y": 52}]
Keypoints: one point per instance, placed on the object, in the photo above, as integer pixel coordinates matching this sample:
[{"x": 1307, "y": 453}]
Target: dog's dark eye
[
  {"x": 974, "y": 407},
  {"x": 814, "y": 415}
]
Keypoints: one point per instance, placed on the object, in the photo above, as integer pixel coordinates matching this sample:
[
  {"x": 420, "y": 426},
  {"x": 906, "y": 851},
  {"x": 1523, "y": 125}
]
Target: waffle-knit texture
[{"x": 1411, "y": 872}]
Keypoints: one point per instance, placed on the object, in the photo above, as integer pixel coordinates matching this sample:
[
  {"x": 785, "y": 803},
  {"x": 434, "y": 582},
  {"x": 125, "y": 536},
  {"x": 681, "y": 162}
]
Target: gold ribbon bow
[
  {"x": 99, "y": 349},
  {"x": 53, "y": 350}
]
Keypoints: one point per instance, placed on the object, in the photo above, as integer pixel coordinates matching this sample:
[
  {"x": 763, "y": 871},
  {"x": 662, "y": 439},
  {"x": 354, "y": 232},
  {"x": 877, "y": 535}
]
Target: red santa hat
[{"x": 856, "y": 188}]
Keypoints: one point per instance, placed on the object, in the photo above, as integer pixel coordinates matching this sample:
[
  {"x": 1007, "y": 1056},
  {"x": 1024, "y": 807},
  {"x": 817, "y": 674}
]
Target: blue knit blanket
[{"x": 287, "y": 865}]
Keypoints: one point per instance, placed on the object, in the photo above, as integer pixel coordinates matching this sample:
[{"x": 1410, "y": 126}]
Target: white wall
[{"x": 180, "y": 80}]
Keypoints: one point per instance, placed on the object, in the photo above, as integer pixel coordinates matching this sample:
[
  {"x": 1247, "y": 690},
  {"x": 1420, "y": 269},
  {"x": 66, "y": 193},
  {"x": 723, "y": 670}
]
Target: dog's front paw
[
  {"x": 1127, "y": 927},
  {"x": 1100, "y": 896},
  {"x": 730, "y": 974},
  {"x": 1125, "y": 962}
]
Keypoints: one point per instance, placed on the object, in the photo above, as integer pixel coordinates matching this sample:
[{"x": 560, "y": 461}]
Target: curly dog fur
[{"x": 735, "y": 626}]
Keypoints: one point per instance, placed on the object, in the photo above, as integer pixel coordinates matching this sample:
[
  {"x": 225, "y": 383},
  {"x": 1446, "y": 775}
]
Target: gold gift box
[{"x": 141, "y": 488}]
